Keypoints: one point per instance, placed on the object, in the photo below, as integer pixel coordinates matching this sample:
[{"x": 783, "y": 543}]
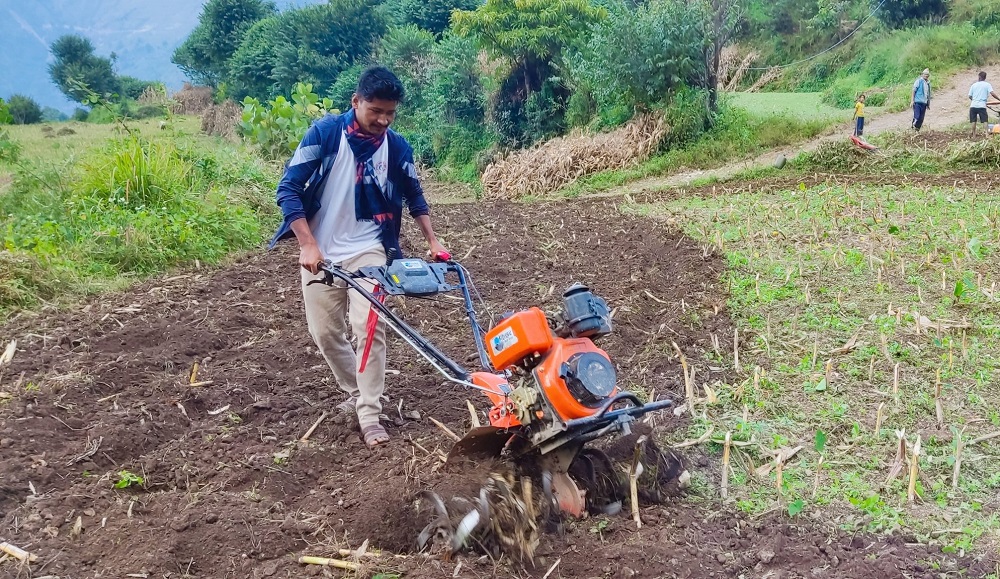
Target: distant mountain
[{"x": 141, "y": 33}]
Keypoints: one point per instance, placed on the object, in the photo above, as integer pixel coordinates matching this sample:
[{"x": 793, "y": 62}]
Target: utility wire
[{"x": 818, "y": 54}]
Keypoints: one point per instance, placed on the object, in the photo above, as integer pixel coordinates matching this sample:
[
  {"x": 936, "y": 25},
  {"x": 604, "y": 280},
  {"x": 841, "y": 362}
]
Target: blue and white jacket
[{"x": 301, "y": 187}]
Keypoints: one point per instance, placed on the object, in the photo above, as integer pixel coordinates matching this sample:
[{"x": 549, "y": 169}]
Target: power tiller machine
[{"x": 551, "y": 389}]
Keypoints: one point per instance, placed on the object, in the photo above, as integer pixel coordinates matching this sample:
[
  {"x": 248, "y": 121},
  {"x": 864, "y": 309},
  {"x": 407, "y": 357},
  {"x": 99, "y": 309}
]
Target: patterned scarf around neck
[{"x": 370, "y": 203}]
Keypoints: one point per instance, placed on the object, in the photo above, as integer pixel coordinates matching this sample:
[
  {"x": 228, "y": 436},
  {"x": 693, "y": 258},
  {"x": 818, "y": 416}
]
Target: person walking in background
[
  {"x": 920, "y": 100},
  {"x": 979, "y": 93},
  {"x": 859, "y": 116}
]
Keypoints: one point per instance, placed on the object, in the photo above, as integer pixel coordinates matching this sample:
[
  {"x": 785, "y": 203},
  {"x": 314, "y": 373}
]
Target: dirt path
[{"x": 949, "y": 107}]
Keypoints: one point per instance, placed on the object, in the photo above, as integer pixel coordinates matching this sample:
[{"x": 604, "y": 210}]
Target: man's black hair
[
  {"x": 378, "y": 82},
  {"x": 982, "y": 75}
]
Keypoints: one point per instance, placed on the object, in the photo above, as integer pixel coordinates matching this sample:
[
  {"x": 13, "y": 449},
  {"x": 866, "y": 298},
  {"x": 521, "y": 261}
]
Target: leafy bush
[
  {"x": 313, "y": 44},
  {"x": 149, "y": 111},
  {"x": 447, "y": 127},
  {"x": 5, "y": 117},
  {"x": 456, "y": 92},
  {"x": 10, "y": 150},
  {"x": 108, "y": 113},
  {"x": 530, "y": 35},
  {"x": 53, "y": 115},
  {"x": 24, "y": 110},
  {"x": 222, "y": 25},
  {"x": 686, "y": 115},
  {"x": 278, "y": 127},
  {"x": 80, "y": 114},
  {"x": 639, "y": 57},
  {"x": 581, "y": 108},
  {"x": 343, "y": 88}
]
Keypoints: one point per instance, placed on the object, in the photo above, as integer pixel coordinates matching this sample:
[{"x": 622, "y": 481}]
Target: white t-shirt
[
  {"x": 980, "y": 93},
  {"x": 339, "y": 235}
]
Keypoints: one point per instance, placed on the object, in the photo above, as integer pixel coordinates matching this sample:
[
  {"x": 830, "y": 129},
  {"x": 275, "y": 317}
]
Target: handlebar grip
[{"x": 442, "y": 256}]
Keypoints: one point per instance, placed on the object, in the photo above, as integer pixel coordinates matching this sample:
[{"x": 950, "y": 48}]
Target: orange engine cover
[
  {"x": 547, "y": 373},
  {"x": 518, "y": 336}
]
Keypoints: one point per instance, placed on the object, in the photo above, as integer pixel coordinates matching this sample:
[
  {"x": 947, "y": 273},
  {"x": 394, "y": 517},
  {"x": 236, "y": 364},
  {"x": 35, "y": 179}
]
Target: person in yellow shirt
[{"x": 859, "y": 116}]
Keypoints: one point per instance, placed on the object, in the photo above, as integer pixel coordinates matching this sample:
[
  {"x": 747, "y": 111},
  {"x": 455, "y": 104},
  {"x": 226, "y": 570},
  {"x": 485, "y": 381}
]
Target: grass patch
[
  {"x": 105, "y": 207},
  {"x": 849, "y": 300},
  {"x": 807, "y": 106}
]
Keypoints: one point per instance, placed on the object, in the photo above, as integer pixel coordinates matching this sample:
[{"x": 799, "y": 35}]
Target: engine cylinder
[{"x": 586, "y": 315}]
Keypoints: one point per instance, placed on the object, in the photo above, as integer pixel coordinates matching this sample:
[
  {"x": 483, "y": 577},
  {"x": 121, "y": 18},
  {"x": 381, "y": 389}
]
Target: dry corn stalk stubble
[{"x": 562, "y": 160}]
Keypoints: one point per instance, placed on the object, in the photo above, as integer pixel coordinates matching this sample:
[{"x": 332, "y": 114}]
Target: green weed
[{"x": 127, "y": 479}]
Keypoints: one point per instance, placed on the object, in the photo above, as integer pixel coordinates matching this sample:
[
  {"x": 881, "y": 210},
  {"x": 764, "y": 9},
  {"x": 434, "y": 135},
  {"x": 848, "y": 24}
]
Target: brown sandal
[{"x": 374, "y": 435}]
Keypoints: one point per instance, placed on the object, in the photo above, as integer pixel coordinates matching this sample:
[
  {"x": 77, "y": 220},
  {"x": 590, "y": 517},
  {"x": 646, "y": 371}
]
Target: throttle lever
[{"x": 327, "y": 275}]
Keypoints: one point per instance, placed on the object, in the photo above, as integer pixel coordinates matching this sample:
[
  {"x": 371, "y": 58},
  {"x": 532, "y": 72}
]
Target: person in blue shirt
[
  {"x": 979, "y": 93},
  {"x": 342, "y": 197},
  {"x": 920, "y": 100}
]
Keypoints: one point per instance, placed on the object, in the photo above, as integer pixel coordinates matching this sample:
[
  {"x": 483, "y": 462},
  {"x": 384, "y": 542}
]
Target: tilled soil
[{"x": 229, "y": 492}]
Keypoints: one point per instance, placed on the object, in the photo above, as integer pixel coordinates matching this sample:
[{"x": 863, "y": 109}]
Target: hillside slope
[
  {"x": 143, "y": 35},
  {"x": 950, "y": 107}
]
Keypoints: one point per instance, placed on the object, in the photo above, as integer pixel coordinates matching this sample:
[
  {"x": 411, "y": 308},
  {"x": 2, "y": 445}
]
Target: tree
[
  {"x": 456, "y": 91},
  {"x": 529, "y": 36},
  {"x": 898, "y": 13},
  {"x": 528, "y": 33},
  {"x": 75, "y": 63},
  {"x": 431, "y": 15},
  {"x": 250, "y": 68},
  {"x": 24, "y": 110},
  {"x": 222, "y": 24},
  {"x": 312, "y": 44},
  {"x": 720, "y": 19},
  {"x": 406, "y": 50},
  {"x": 52, "y": 114}
]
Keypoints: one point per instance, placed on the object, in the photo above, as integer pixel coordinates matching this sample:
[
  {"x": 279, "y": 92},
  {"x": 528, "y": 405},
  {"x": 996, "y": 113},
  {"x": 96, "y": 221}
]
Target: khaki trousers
[{"x": 326, "y": 310}]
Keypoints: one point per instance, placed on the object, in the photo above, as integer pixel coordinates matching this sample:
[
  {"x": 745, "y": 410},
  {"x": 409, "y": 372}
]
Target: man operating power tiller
[{"x": 342, "y": 198}]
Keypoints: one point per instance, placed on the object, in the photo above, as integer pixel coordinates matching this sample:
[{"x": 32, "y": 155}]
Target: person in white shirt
[
  {"x": 979, "y": 93},
  {"x": 342, "y": 197}
]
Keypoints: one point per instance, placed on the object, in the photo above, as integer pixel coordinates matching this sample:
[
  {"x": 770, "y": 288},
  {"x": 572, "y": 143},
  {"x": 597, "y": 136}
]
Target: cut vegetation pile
[
  {"x": 192, "y": 100},
  {"x": 221, "y": 120},
  {"x": 928, "y": 152},
  {"x": 563, "y": 160}
]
